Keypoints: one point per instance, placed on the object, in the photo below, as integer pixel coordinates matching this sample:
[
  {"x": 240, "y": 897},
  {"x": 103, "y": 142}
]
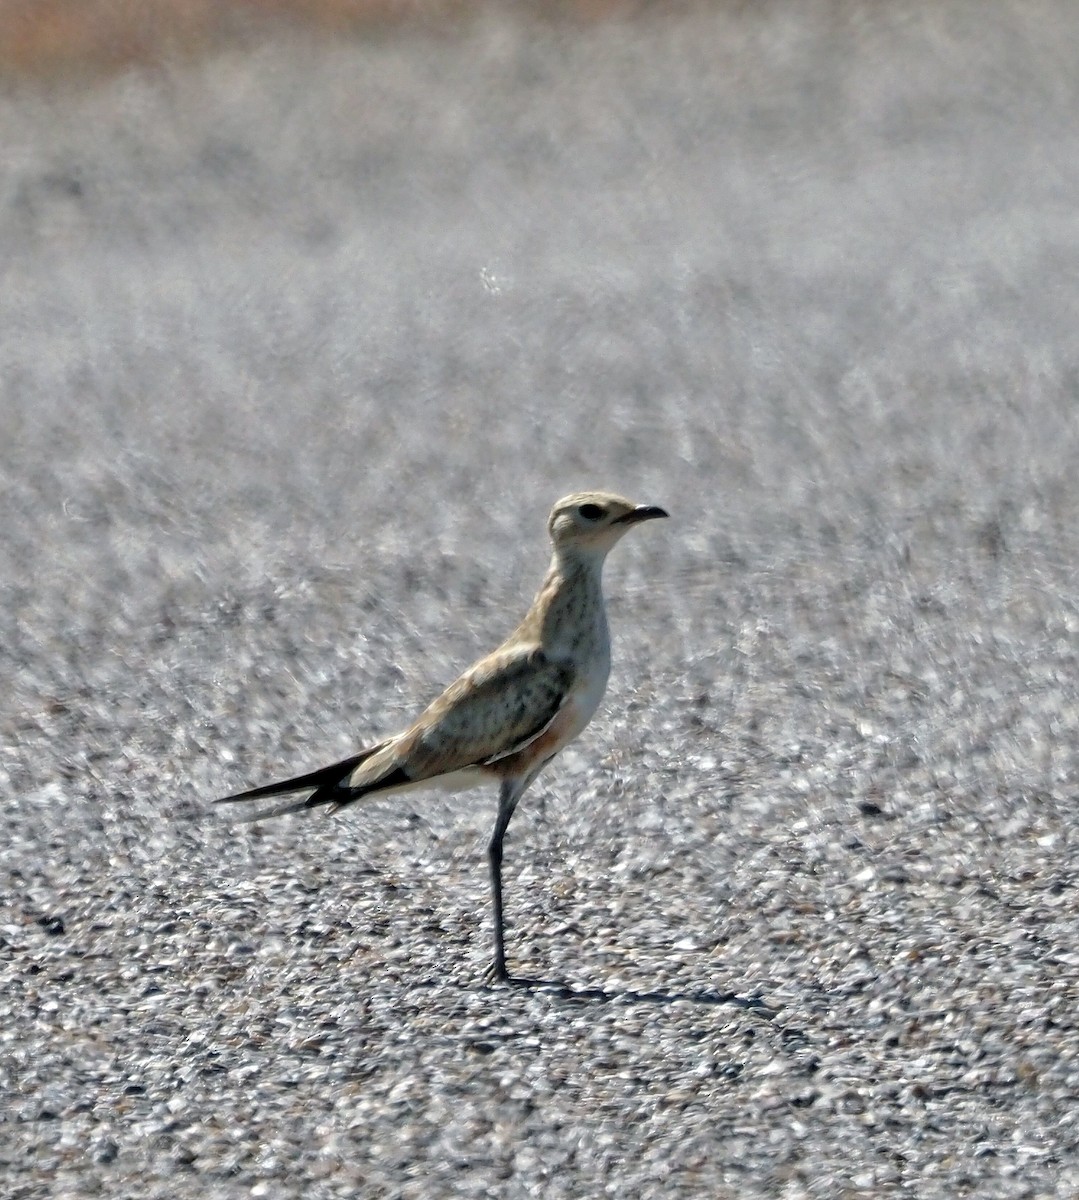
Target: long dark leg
[{"x": 507, "y": 802}]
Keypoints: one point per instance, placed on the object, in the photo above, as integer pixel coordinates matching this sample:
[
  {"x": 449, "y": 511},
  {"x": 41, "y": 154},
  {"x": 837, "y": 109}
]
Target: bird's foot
[{"x": 497, "y": 973}]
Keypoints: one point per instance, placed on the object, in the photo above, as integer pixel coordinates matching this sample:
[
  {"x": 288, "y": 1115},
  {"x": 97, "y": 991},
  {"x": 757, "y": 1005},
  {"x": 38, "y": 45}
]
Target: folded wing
[{"x": 495, "y": 709}]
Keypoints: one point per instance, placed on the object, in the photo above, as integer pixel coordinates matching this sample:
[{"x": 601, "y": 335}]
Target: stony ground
[{"x": 299, "y": 344}]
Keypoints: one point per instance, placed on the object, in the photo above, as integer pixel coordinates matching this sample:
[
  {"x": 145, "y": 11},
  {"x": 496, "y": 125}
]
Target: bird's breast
[
  {"x": 581, "y": 704},
  {"x": 591, "y": 684},
  {"x": 571, "y": 718}
]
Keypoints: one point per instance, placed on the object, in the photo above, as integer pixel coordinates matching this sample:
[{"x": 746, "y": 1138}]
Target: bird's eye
[{"x": 590, "y": 512}]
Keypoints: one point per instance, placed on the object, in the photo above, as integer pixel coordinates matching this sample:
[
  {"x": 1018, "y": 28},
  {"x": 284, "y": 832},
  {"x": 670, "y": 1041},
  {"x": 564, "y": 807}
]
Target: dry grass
[{"x": 47, "y": 38}]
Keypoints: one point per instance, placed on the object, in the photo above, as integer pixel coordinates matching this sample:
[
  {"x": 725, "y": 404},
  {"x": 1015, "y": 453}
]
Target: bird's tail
[{"x": 326, "y": 786}]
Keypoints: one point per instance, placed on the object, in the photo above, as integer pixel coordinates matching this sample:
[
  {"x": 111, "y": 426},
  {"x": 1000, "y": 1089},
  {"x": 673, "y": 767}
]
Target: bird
[{"x": 511, "y": 712}]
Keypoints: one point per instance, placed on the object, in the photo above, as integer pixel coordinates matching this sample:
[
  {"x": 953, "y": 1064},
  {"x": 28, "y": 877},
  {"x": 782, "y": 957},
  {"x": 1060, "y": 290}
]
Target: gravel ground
[{"x": 300, "y": 343}]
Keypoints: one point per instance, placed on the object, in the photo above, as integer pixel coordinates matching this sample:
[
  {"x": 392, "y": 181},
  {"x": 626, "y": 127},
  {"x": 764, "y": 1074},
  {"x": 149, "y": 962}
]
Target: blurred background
[{"x": 289, "y": 288}]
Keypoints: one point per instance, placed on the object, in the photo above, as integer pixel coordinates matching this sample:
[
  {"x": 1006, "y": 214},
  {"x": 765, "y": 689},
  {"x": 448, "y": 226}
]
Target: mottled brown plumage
[{"x": 510, "y": 713}]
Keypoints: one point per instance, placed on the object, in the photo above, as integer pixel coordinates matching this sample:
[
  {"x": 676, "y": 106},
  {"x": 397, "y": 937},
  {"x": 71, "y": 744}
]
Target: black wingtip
[{"x": 325, "y": 779}]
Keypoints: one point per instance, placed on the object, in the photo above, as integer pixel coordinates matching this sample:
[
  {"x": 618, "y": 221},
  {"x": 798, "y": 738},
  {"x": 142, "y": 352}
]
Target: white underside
[{"x": 455, "y": 781}]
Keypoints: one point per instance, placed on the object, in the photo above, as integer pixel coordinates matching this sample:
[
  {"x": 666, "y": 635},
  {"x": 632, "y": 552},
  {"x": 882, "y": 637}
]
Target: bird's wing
[{"x": 497, "y": 707}]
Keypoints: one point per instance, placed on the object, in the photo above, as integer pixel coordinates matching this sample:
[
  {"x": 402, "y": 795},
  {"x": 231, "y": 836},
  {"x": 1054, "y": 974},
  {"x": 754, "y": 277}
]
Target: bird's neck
[
  {"x": 577, "y": 572},
  {"x": 568, "y": 615}
]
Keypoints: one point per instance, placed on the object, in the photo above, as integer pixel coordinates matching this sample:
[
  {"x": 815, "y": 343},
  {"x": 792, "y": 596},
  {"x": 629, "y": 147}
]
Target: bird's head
[{"x": 591, "y": 522}]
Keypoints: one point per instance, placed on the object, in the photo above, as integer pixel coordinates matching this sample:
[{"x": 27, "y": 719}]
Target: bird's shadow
[
  {"x": 562, "y": 990},
  {"x": 597, "y": 995}
]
